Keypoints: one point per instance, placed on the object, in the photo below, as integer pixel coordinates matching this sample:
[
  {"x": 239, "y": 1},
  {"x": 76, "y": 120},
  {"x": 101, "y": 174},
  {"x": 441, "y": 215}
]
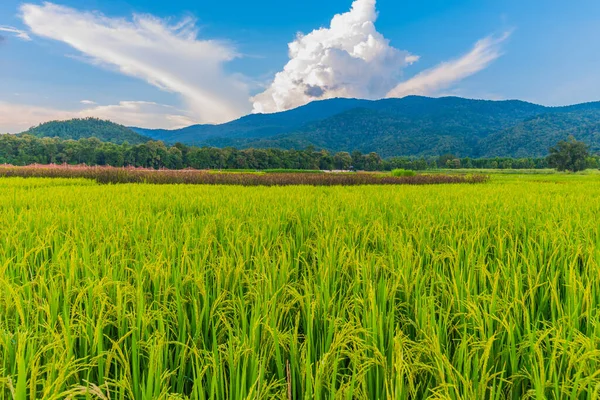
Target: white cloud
[
  {"x": 348, "y": 59},
  {"x": 168, "y": 56},
  {"x": 352, "y": 59},
  {"x": 141, "y": 114},
  {"x": 17, "y": 32},
  {"x": 16, "y": 118},
  {"x": 443, "y": 76}
]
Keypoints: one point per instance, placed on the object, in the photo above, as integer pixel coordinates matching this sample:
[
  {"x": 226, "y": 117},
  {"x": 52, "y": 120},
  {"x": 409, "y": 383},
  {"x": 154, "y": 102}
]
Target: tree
[
  {"x": 453, "y": 163},
  {"x": 569, "y": 155},
  {"x": 357, "y": 160},
  {"x": 174, "y": 158},
  {"x": 342, "y": 160},
  {"x": 442, "y": 161},
  {"x": 325, "y": 160},
  {"x": 372, "y": 162}
]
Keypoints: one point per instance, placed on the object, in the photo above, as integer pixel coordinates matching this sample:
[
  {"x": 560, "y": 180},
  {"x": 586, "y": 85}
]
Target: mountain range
[{"x": 410, "y": 126}]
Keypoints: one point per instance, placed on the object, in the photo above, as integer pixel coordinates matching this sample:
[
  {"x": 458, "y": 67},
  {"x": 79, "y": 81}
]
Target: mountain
[
  {"x": 389, "y": 127},
  {"x": 534, "y": 136},
  {"x": 410, "y": 126},
  {"x": 75, "y": 129},
  {"x": 255, "y": 125}
]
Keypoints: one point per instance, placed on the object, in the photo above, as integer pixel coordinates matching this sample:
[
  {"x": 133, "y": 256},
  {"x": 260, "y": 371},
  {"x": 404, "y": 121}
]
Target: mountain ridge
[{"x": 409, "y": 126}]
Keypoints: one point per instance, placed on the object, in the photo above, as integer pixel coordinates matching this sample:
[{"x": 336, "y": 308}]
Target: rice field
[{"x": 140, "y": 291}]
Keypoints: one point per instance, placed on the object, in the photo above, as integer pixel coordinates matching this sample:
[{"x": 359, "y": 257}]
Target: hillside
[
  {"x": 411, "y": 126},
  {"x": 75, "y": 129},
  {"x": 534, "y": 136},
  {"x": 414, "y": 125},
  {"x": 255, "y": 125}
]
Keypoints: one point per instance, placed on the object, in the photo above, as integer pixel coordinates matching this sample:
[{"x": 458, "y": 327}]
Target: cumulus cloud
[
  {"x": 348, "y": 59},
  {"x": 16, "y": 118},
  {"x": 431, "y": 81},
  {"x": 352, "y": 59},
  {"x": 168, "y": 56},
  {"x": 17, "y": 32}
]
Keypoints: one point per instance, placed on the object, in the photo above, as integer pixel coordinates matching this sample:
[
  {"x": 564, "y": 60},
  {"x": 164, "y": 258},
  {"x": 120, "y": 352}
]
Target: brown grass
[{"x": 108, "y": 175}]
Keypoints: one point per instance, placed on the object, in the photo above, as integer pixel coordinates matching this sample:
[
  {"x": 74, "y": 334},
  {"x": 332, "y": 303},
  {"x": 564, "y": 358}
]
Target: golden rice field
[{"x": 136, "y": 291}]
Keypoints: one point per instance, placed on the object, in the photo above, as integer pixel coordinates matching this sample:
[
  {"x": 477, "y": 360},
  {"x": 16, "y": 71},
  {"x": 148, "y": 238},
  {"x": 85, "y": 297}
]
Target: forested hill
[
  {"x": 76, "y": 129},
  {"x": 411, "y": 126},
  {"x": 533, "y": 136}
]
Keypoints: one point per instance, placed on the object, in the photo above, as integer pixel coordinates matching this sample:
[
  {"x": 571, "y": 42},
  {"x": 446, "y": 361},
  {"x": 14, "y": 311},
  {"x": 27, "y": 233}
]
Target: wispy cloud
[
  {"x": 168, "y": 56},
  {"x": 17, "y": 32},
  {"x": 350, "y": 58},
  {"x": 16, "y": 118},
  {"x": 432, "y": 81},
  {"x": 142, "y": 114}
]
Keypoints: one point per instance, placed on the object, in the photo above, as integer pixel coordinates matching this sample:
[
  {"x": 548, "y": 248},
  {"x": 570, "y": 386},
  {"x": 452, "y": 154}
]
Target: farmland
[{"x": 463, "y": 291}]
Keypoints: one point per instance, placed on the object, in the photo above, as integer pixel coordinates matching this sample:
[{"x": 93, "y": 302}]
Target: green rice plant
[{"x": 141, "y": 291}]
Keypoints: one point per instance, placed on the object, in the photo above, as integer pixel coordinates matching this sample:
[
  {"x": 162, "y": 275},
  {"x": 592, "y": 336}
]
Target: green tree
[
  {"x": 325, "y": 160},
  {"x": 174, "y": 158},
  {"x": 592, "y": 163},
  {"x": 342, "y": 160},
  {"x": 442, "y": 161},
  {"x": 453, "y": 163},
  {"x": 373, "y": 162},
  {"x": 358, "y": 160},
  {"x": 569, "y": 155}
]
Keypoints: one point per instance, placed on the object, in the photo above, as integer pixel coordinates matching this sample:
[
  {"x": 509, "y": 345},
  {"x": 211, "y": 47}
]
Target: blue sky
[{"x": 174, "y": 63}]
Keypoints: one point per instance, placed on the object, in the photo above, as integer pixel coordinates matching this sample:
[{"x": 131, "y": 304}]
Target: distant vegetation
[
  {"x": 26, "y": 149},
  {"x": 409, "y": 127},
  {"x": 75, "y": 129}
]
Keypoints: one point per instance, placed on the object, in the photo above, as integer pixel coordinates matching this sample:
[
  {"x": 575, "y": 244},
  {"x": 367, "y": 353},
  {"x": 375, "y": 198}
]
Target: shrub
[{"x": 403, "y": 172}]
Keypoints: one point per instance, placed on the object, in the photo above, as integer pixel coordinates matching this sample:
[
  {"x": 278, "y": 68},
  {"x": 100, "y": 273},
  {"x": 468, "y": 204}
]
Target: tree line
[{"x": 26, "y": 149}]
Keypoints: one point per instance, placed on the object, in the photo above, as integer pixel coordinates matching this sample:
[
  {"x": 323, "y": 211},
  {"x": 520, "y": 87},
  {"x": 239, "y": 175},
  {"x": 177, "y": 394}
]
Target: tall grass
[
  {"x": 296, "y": 171},
  {"x": 170, "y": 292},
  {"x": 139, "y": 175}
]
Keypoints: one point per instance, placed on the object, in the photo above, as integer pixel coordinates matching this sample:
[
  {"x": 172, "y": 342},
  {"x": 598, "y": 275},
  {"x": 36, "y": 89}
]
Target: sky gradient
[{"x": 172, "y": 64}]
